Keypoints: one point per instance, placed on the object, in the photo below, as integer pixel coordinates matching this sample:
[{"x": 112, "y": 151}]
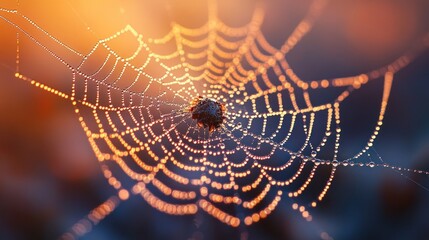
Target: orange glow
[
  {"x": 123, "y": 194},
  {"x": 376, "y": 28}
]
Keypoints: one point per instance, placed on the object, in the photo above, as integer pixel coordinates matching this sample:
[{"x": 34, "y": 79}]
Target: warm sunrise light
[{"x": 192, "y": 111}]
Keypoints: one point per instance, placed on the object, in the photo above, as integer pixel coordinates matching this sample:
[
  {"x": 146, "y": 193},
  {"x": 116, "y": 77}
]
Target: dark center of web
[{"x": 208, "y": 112}]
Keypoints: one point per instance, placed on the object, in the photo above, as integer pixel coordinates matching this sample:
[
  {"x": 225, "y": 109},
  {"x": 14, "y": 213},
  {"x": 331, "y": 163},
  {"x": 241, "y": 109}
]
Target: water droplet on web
[
  {"x": 371, "y": 164},
  {"x": 335, "y": 163},
  {"x": 313, "y": 153}
]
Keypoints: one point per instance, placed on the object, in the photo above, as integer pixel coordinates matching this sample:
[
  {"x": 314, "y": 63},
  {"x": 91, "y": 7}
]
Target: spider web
[{"x": 133, "y": 105}]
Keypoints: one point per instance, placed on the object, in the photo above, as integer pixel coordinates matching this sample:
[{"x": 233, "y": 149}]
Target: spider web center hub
[{"x": 208, "y": 112}]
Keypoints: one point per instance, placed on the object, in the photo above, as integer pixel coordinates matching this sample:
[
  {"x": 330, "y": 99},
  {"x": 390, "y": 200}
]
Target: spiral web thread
[{"x": 133, "y": 109}]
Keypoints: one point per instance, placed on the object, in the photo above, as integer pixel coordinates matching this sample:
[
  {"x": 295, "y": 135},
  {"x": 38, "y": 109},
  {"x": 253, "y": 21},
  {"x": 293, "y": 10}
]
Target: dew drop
[{"x": 313, "y": 153}]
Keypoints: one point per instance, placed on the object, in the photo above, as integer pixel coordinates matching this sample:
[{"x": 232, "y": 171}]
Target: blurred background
[{"x": 50, "y": 178}]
